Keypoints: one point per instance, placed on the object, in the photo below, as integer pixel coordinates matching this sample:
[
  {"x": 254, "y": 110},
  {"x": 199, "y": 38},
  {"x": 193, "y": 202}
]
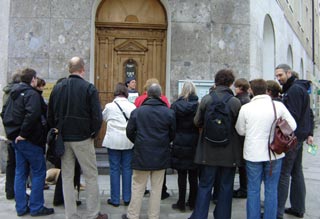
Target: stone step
[{"x": 102, "y": 160}]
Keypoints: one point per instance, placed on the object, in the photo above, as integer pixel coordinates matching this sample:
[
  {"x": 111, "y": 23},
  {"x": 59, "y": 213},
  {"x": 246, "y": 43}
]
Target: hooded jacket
[
  {"x": 185, "y": 142},
  {"x": 296, "y": 99},
  {"x": 22, "y": 115},
  {"x": 6, "y": 92}
]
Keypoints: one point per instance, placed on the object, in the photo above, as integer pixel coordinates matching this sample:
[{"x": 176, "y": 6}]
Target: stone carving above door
[{"x": 131, "y": 46}]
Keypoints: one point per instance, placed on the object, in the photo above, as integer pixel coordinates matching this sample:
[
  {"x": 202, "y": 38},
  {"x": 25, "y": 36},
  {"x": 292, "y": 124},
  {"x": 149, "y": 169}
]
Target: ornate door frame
[{"x": 116, "y": 42}]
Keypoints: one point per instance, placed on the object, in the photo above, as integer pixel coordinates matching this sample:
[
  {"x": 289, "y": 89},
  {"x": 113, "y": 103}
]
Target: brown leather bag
[{"x": 284, "y": 138}]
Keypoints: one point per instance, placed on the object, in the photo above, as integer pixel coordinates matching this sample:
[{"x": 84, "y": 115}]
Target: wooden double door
[{"x": 128, "y": 46}]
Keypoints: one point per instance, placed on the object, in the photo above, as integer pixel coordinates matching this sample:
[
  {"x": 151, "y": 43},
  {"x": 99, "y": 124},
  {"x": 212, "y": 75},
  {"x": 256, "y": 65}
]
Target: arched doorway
[
  {"x": 290, "y": 57},
  {"x": 129, "y": 33},
  {"x": 268, "y": 49}
]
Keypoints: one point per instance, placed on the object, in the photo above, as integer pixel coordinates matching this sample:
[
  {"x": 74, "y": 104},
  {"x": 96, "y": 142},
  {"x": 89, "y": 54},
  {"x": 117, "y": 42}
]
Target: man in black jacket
[
  {"x": 75, "y": 102},
  {"x": 217, "y": 160},
  {"x": 23, "y": 126},
  {"x": 11, "y": 159},
  {"x": 297, "y": 100},
  {"x": 151, "y": 128}
]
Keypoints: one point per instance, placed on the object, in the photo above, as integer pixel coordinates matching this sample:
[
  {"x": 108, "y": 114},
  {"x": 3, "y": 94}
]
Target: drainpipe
[{"x": 313, "y": 49}]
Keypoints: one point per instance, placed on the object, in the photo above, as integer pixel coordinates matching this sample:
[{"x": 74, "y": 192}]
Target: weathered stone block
[
  {"x": 193, "y": 71},
  {"x": 30, "y": 8},
  {"x": 40, "y": 65},
  {"x": 190, "y": 11},
  {"x": 230, "y": 43},
  {"x": 29, "y": 37},
  {"x": 190, "y": 41},
  {"x": 71, "y": 9},
  {"x": 230, "y": 11},
  {"x": 70, "y": 37}
]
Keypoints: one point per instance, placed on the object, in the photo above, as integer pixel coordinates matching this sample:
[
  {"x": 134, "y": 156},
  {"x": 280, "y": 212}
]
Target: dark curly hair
[{"x": 224, "y": 77}]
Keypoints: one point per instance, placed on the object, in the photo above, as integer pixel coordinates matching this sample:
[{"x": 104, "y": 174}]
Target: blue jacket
[
  {"x": 151, "y": 128},
  {"x": 296, "y": 99}
]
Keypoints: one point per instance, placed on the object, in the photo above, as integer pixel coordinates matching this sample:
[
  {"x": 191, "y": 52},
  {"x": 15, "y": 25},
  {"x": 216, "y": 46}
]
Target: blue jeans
[
  {"x": 258, "y": 172},
  {"x": 292, "y": 167},
  {"x": 120, "y": 163},
  {"x": 28, "y": 156},
  {"x": 207, "y": 179}
]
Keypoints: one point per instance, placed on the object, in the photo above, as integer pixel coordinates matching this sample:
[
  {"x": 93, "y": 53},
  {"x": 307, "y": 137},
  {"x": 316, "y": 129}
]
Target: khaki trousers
[
  {"x": 139, "y": 182},
  {"x": 85, "y": 153}
]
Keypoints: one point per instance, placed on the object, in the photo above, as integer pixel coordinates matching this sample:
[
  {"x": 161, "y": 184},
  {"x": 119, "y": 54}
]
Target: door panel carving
[{"x": 125, "y": 32}]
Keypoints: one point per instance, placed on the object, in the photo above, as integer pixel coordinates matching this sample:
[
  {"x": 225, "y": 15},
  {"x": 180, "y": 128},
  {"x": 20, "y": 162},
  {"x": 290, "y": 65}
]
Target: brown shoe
[{"x": 102, "y": 216}]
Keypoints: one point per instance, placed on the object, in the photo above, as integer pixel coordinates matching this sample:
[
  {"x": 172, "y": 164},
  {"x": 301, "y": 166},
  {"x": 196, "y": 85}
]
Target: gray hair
[
  {"x": 154, "y": 91},
  {"x": 285, "y": 67}
]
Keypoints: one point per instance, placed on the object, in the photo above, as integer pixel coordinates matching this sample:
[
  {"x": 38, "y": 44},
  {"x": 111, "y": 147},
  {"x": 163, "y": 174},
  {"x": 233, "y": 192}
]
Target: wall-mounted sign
[
  {"x": 47, "y": 90},
  {"x": 130, "y": 68},
  {"x": 202, "y": 86}
]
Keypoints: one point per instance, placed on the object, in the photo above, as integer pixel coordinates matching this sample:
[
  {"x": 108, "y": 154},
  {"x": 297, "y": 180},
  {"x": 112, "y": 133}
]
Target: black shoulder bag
[
  {"x": 55, "y": 142},
  {"x": 122, "y": 111}
]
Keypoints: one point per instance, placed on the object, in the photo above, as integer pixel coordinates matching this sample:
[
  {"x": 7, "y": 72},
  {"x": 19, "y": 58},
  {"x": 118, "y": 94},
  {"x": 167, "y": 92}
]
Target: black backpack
[{"x": 217, "y": 121}]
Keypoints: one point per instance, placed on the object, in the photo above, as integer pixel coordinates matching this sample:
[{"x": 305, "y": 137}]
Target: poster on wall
[{"x": 202, "y": 86}]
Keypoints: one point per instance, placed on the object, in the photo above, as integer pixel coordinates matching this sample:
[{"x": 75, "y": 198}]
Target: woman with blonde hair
[{"x": 184, "y": 145}]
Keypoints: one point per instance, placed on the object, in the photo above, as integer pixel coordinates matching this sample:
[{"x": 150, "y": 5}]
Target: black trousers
[
  {"x": 58, "y": 192},
  {"x": 192, "y": 176},
  {"x": 243, "y": 178},
  {"x": 10, "y": 170}
]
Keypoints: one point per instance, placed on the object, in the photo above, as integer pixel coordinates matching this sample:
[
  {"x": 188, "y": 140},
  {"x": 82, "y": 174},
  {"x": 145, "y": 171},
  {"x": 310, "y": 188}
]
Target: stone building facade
[{"x": 194, "y": 39}]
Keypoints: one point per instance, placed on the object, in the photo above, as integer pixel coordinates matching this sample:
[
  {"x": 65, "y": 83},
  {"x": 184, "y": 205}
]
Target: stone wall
[
  {"x": 204, "y": 36},
  {"x": 208, "y": 36},
  {"x": 45, "y": 34},
  {"x": 4, "y": 27}
]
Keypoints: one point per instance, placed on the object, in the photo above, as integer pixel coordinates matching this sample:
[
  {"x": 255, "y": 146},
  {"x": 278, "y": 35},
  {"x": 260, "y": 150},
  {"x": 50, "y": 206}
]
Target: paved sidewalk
[{"x": 312, "y": 177}]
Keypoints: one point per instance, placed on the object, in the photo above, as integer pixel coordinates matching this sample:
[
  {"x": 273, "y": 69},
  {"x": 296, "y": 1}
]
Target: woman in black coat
[{"x": 184, "y": 145}]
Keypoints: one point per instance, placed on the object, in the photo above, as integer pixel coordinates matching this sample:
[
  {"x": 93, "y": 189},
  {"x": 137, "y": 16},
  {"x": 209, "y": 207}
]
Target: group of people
[
  {"x": 26, "y": 124},
  {"x": 145, "y": 135}
]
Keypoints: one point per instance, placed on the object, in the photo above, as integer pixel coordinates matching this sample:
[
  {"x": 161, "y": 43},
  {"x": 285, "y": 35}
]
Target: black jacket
[
  {"x": 84, "y": 118},
  {"x": 296, "y": 99},
  {"x": 229, "y": 155},
  {"x": 151, "y": 128},
  {"x": 22, "y": 115},
  {"x": 243, "y": 97},
  {"x": 185, "y": 142}
]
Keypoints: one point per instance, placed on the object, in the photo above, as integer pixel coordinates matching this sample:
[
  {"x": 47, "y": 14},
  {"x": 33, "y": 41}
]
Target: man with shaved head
[{"x": 76, "y": 102}]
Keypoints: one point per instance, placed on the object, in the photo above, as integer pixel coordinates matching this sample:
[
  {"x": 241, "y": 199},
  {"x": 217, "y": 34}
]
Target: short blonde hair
[
  {"x": 188, "y": 89},
  {"x": 149, "y": 82}
]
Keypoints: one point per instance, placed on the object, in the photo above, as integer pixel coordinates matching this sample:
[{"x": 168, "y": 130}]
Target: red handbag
[{"x": 284, "y": 138}]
